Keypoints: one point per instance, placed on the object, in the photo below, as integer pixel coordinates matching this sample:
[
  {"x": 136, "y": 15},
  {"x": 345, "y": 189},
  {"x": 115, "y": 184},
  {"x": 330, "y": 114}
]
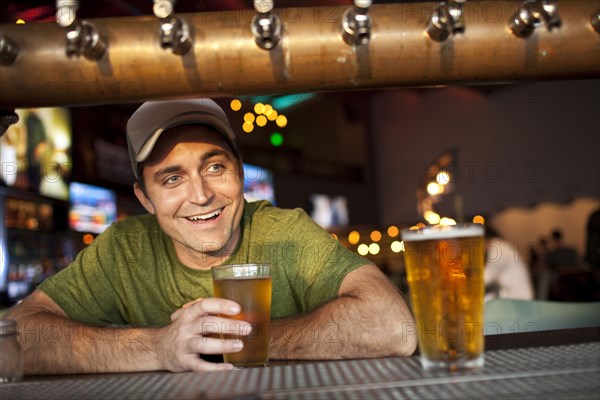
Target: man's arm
[
  {"x": 55, "y": 344},
  {"x": 369, "y": 318}
]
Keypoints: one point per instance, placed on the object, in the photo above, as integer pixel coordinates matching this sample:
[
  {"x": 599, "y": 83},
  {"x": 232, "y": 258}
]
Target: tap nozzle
[
  {"x": 266, "y": 25},
  {"x": 83, "y": 39},
  {"x": 356, "y": 23},
  {"x": 8, "y": 50},
  {"x": 447, "y": 19},
  {"x": 533, "y": 14},
  {"x": 82, "y": 36},
  {"x": 175, "y": 35},
  {"x": 595, "y": 21},
  {"x": 174, "y": 32}
]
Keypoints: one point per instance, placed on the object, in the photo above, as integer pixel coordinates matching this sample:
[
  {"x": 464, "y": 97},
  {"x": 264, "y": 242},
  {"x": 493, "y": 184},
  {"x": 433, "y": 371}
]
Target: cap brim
[{"x": 189, "y": 118}]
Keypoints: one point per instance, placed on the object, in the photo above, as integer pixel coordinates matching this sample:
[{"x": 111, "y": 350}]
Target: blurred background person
[
  {"x": 572, "y": 280},
  {"x": 560, "y": 256},
  {"x": 8, "y": 157},
  {"x": 506, "y": 274},
  {"x": 592, "y": 245},
  {"x": 36, "y": 149},
  {"x": 542, "y": 276}
]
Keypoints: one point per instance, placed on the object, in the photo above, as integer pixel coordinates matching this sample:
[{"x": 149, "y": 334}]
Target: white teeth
[{"x": 206, "y": 216}]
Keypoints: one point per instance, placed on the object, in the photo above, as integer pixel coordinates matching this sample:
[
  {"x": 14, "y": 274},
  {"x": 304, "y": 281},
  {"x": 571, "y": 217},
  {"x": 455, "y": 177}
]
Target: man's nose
[{"x": 200, "y": 190}]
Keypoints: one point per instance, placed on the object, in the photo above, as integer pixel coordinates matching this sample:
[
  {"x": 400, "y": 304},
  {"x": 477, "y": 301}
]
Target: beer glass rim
[
  {"x": 240, "y": 265},
  {"x": 265, "y": 269},
  {"x": 435, "y": 232}
]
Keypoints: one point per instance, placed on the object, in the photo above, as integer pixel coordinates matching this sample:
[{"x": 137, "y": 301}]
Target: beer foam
[{"x": 442, "y": 232}]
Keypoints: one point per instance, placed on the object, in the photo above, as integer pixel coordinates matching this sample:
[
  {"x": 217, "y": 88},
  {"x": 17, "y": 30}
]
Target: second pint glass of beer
[
  {"x": 249, "y": 285},
  {"x": 444, "y": 266}
]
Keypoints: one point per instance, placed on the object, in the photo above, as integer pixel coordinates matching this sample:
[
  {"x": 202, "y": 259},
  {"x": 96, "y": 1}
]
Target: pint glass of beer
[
  {"x": 249, "y": 285},
  {"x": 444, "y": 266}
]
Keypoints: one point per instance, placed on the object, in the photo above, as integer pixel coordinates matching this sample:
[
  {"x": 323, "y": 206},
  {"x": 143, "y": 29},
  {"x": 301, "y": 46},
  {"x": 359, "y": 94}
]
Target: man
[
  {"x": 561, "y": 258},
  {"x": 592, "y": 243},
  {"x": 505, "y": 274},
  {"x": 140, "y": 297}
]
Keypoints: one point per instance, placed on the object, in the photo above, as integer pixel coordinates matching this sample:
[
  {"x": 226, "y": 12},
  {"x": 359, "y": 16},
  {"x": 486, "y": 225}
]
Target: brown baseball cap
[{"x": 152, "y": 118}]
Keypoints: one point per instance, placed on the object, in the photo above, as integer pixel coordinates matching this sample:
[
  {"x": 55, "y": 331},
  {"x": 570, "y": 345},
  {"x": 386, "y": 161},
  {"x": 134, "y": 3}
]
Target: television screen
[
  {"x": 329, "y": 211},
  {"x": 35, "y": 152},
  {"x": 92, "y": 208},
  {"x": 258, "y": 183}
]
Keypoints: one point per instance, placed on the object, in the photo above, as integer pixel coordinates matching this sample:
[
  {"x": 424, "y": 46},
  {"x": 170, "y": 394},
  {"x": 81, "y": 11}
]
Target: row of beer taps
[{"x": 83, "y": 39}]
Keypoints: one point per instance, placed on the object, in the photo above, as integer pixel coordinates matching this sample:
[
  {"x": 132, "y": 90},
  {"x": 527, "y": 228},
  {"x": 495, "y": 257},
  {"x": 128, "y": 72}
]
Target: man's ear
[{"x": 141, "y": 196}]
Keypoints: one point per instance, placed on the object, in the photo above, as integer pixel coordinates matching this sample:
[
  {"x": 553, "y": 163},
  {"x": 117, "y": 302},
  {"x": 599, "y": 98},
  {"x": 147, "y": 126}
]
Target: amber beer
[
  {"x": 444, "y": 267},
  {"x": 249, "y": 285}
]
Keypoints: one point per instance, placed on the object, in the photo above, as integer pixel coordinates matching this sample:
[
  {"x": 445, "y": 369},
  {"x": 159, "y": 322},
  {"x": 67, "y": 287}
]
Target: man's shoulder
[
  {"x": 135, "y": 226},
  {"x": 264, "y": 211},
  {"x": 266, "y": 223},
  {"x": 135, "y": 237},
  {"x": 135, "y": 221}
]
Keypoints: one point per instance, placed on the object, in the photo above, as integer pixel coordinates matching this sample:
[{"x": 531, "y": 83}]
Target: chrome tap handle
[
  {"x": 163, "y": 8},
  {"x": 66, "y": 12}
]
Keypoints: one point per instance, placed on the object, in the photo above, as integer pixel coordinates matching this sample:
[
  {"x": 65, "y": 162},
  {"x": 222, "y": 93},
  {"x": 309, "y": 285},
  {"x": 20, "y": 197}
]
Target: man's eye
[
  {"x": 216, "y": 168},
  {"x": 172, "y": 179}
]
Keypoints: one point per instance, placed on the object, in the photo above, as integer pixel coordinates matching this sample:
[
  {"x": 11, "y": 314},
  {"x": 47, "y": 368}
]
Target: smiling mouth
[{"x": 206, "y": 217}]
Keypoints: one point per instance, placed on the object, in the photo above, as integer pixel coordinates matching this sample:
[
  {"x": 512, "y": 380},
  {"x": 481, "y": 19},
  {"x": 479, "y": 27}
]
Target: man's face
[{"x": 194, "y": 186}]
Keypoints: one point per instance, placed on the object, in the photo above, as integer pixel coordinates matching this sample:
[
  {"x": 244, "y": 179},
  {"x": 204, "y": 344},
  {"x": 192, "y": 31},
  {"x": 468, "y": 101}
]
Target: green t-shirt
[{"x": 131, "y": 275}]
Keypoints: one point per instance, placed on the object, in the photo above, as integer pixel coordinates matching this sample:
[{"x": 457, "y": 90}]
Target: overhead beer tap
[
  {"x": 82, "y": 36},
  {"x": 8, "y": 50},
  {"x": 447, "y": 19},
  {"x": 266, "y": 25},
  {"x": 533, "y": 14},
  {"x": 174, "y": 31},
  {"x": 356, "y": 23},
  {"x": 595, "y": 21}
]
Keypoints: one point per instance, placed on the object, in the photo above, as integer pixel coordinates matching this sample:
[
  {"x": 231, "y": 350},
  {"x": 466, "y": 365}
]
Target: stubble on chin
[{"x": 216, "y": 248}]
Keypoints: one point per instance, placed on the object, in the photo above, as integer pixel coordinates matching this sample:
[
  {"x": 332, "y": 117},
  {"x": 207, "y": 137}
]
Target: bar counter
[{"x": 546, "y": 364}]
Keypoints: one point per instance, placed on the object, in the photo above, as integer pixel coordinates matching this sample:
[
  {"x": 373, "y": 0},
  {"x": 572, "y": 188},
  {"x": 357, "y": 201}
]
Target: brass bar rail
[{"x": 311, "y": 56}]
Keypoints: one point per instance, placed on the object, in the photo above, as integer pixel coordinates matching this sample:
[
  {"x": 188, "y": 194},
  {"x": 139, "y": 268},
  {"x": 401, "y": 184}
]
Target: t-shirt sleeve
[
  {"x": 83, "y": 290},
  {"x": 321, "y": 263}
]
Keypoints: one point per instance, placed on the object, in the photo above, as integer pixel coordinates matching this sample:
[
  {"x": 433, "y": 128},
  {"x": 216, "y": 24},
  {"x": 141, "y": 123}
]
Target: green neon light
[{"x": 276, "y": 139}]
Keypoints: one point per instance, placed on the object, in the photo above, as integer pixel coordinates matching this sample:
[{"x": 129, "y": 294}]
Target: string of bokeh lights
[{"x": 262, "y": 115}]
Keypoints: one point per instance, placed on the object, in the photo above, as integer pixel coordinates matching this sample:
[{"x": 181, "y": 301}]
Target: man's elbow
[
  {"x": 397, "y": 337},
  {"x": 406, "y": 334},
  {"x": 410, "y": 346}
]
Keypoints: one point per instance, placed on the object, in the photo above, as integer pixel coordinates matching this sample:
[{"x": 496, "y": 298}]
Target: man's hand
[{"x": 195, "y": 330}]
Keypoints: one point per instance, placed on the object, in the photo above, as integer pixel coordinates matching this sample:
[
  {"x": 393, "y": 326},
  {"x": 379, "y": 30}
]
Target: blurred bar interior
[{"x": 371, "y": 117}]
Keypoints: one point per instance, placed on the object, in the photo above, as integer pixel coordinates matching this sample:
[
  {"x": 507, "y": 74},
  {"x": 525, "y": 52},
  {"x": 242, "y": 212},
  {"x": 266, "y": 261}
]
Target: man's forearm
[
  {"x": 54, "y": 344},
  {"x": 347, "y": 327}
]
